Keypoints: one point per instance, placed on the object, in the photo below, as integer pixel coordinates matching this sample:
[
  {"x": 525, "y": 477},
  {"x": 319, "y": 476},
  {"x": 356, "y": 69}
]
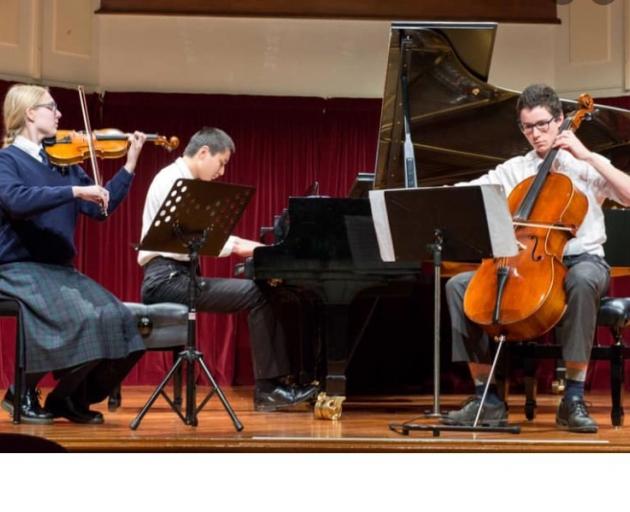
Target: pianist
[
  {"x": 539, "y": 118},
  {"x": 166, "y": 276}
]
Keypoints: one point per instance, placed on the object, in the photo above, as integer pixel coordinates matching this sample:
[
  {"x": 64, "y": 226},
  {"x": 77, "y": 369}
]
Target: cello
[{"x": 522, "y": 297}]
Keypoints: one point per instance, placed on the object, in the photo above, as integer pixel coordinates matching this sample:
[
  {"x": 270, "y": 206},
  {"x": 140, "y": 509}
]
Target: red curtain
[{"x": 283, "y": 144}]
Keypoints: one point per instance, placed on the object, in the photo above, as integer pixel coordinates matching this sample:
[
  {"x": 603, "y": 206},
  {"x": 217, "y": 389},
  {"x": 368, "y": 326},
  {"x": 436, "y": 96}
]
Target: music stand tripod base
[
  {"x": 192, "y": 410},
  {"x": 405, "y": 428}
]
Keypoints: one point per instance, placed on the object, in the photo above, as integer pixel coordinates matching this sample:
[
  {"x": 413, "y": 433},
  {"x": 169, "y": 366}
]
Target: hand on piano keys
[{"x": 243, "y": 247}]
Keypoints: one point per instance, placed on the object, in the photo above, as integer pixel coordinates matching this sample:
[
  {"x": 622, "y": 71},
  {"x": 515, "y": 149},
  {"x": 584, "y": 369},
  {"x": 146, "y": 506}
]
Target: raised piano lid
[{"x": 461, "y": 125}]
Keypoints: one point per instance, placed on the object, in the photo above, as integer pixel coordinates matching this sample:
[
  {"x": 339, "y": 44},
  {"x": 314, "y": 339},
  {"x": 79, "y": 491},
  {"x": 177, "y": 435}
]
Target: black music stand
[
  {"x": 196, "y": 218},
  {"x": 453, "y": 223}
]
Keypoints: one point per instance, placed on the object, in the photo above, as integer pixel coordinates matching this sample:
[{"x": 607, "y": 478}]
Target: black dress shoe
[
  {"x": 492, "y": 414},
  {"x": 30, "y": 408},
  {"x": 66, "y": 408},
  {"x": 282, "y": 397},
  {"x": 573, "y": 416}
]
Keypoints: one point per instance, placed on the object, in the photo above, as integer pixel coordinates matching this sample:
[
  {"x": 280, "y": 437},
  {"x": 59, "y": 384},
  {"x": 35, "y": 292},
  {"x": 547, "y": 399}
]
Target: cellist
[
  {"x": 539, "y": 117},
  {"x": 72, "y": 326}
]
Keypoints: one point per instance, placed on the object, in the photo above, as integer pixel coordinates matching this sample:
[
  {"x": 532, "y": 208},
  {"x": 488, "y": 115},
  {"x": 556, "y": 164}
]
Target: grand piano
[{"x": 441, "y": 123}]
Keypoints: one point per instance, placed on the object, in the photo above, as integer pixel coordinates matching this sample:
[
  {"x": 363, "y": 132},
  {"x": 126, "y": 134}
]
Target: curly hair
[{"x": 539, "y": 95}]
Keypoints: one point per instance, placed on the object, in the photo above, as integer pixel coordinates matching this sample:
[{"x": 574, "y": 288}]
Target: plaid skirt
[{"x": 67, "y": 318}]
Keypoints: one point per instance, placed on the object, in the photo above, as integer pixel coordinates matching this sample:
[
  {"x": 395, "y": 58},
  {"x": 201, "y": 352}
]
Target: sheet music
[
  {"x": 381, "y": 225},
  {"x": 500, "y": 225},
  {"x": 474, "y": 222}
]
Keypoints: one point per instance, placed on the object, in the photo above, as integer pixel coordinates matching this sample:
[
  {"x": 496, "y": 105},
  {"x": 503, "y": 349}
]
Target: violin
[
  {"x": 70, "y": 147},
  {"x": 523, "y": 296}
]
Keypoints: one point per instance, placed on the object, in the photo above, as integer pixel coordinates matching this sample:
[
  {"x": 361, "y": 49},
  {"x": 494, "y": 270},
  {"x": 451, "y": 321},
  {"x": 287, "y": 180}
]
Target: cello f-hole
[{"x": 536, "y": 240}]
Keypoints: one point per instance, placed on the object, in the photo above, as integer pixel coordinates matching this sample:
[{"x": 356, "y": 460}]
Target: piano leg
[
  {"x": 335, "y": 320},
  {"x": 336, "y": 342}
]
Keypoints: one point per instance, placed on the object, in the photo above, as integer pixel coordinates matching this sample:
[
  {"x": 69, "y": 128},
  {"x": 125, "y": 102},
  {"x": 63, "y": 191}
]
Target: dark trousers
[
  {"x": 586, "y": 282},
  {"x": 167, "y": 280},
  {"x": 93, "y": 381}
]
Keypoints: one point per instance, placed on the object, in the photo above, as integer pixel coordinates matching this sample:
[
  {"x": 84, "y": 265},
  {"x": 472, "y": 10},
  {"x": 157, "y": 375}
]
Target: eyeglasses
[
  {"x": 52, "y": 106},
  {"x": 543, "y": 126}
]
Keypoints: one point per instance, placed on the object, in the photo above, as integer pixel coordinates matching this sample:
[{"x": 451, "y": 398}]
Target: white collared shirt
[
  {"x": 29, "y": 147},
  {"x": 592, "y": 233},
  {"x": 160, "y": 187}
]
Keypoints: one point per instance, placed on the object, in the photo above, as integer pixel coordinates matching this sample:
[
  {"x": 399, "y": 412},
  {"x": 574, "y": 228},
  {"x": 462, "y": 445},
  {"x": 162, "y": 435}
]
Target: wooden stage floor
[{"x": 363, "y": 428}]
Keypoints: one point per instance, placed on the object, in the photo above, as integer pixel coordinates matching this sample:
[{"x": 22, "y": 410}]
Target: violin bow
[{"x": 88, "y": 133}]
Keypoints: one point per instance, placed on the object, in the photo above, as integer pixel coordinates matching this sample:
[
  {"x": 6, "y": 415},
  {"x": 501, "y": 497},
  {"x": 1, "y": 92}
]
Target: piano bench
[
  {"x": 163, "y": 326},
  {"x": 614, "y": 313}
]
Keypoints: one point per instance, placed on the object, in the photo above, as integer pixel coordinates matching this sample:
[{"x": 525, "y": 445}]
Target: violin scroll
[{"x": 168, "y": 144}]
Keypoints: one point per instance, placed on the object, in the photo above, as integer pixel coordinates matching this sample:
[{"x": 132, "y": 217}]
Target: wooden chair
[{"x": 614, "y": 313}]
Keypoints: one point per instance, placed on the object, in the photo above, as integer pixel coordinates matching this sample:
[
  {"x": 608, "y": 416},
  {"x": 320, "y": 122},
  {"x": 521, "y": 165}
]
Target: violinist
[
  {"x": 72, "y": 326},
  {"x": 166, "y": 276},
  {"x": 539, "y": 116}
]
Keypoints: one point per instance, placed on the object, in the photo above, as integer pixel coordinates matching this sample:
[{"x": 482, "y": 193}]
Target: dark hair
[
  {"x": 216, "y": 140},
  {"x": 539, "y": 95}
]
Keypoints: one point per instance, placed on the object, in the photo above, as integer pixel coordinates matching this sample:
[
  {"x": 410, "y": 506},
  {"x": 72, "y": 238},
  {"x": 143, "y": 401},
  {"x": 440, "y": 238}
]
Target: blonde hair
[{"x": 19, "y": 98}]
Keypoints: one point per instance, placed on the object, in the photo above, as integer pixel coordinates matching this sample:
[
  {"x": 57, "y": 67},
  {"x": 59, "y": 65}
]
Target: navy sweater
[{"x": 38, "y": 212}]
